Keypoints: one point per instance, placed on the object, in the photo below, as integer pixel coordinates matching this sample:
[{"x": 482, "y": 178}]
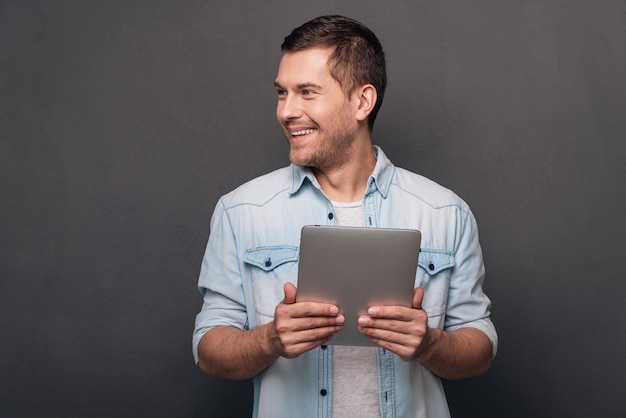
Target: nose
[{"x": 288, "y": 108}]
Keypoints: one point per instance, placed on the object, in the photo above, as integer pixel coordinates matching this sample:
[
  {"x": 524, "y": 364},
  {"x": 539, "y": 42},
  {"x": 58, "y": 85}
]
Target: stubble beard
[{"x": 326, "y": 153}]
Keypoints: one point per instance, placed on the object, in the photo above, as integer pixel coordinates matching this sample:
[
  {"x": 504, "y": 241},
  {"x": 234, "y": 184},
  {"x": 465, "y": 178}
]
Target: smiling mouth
[{"x": 303, "y": 132}]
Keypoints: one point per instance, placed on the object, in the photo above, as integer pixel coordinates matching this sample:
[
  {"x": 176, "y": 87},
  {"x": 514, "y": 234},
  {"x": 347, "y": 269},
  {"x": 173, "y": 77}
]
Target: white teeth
[{"x": 303, "y": 132}]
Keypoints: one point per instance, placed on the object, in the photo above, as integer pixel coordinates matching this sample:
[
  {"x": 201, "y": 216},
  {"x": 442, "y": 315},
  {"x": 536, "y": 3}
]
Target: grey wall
[{"x": 122, "y": 122}]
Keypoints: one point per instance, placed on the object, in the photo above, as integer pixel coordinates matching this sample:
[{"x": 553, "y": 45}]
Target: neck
[{"x": 348, "y": 182}]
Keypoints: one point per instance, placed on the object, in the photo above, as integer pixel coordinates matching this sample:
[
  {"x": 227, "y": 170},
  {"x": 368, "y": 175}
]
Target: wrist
[
  {"x": 269, "y": 343},
  {"x": 428, "y": 344}
]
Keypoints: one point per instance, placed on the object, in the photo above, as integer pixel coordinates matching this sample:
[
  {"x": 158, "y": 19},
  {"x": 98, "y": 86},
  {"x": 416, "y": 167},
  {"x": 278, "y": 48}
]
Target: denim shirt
[{"x": 253, "y": 251}]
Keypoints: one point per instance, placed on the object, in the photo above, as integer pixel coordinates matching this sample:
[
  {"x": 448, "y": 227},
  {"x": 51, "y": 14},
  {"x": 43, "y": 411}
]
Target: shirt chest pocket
[
  {"x": 269, "y": 268},
  {"x": 433, "y": 275}
]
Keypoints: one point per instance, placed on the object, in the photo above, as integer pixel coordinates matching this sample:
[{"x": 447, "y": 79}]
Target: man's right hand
[{"x": 299, "y": 327}]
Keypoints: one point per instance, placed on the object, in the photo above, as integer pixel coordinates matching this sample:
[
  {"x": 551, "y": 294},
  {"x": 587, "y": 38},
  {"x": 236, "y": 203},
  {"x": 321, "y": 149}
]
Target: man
[{"x": 330, "y": 85}]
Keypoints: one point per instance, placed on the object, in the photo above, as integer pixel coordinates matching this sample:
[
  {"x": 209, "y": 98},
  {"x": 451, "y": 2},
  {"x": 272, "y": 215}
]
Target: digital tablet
[{"x": 356, "y": 267}]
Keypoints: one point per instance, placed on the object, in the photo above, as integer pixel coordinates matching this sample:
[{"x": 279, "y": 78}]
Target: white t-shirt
[{"x": 355, "y": 370}]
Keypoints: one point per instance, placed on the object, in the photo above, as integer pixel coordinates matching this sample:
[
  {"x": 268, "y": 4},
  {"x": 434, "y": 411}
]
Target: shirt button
[
  {"x": 431, "y": 266},
  {"x": 323, "y": 347},
  {"x": 323, "y": 392},
  {"x": 268, "y": 262},
  {"x": 330, "y": 216}
]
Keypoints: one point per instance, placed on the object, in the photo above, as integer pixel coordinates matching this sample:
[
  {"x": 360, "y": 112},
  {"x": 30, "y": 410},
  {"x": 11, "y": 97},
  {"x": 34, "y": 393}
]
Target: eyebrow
[{"x": 299, "y": 86}]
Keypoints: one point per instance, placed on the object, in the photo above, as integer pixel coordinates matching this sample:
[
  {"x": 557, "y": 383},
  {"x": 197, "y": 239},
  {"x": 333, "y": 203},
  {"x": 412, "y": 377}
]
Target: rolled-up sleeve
[
  {"x": 220, "y": 280},
  {"x": 468, "y": 305}
]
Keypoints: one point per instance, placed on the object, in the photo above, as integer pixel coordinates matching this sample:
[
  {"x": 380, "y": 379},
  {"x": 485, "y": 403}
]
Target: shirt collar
[{"x": 379, "y": 180}]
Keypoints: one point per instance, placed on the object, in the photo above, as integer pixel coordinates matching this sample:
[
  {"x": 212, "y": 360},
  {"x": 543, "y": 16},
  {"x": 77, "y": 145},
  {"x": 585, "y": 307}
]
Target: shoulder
[
  {"x": 260, "y": 189},
  {"x": 414, "y": 185}
]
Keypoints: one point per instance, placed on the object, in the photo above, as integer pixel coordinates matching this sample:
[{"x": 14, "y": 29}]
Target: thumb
[
  {"x": 290, "y": 293},
  {"x": 418, "y": 296}
]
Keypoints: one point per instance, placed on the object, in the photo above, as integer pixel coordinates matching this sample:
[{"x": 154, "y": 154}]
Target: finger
[
  {"x": 393, "y": 341},
  {"x": 296, "y": 349},
  {"x": 317, "y": 333},
  {"x": 305, "y": 315},
  {"x": 298, "y": 341},
  {"x": 399, "y": 313},
  {"x": 397, "y": 326},
  {"x": 418, "y": 297},
  {"x": 290, "y": 293},
  {"x": 404, "y": 351},
  {"x": 393, "y": 332},
  {"x": 386, "y": 325},
  {"x": 318, "y": 324}
]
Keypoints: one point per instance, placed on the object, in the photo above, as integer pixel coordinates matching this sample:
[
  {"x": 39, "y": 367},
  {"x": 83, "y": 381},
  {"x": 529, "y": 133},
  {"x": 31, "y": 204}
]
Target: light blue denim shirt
[{"x": 253, "y": 251}]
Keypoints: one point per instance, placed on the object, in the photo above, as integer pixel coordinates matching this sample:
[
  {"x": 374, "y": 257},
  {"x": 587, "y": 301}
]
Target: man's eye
[{"x": 307, "y": 92}]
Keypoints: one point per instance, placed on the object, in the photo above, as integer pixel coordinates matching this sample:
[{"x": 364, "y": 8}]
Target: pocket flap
[
  {"x": 268, "y": 258},
  {"x": 433, "y": 261}
]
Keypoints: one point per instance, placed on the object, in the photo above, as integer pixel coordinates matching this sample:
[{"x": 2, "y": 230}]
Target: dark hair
[{"x": 357, "y": 59}]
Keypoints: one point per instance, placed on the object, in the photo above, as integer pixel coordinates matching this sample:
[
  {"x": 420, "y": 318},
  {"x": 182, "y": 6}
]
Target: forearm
[
  {"x": 459, "y": 354},
  {"x": 231, "y": 353}
]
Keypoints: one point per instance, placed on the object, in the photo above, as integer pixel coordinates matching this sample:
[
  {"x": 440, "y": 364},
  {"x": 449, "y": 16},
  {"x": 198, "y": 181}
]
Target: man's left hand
[{"x": 399, "y": 329}]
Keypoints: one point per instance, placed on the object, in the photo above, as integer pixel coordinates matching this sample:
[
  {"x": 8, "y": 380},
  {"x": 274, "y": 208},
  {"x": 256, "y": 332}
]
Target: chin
[
  {"x": 298, "y": 156},
  {"x": 298, "y": 160}
]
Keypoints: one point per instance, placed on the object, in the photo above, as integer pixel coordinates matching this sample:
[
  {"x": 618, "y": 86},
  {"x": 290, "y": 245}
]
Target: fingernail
[
  {"x": 334, "y": 310},
  {"x": 362, "y": 320},
  {"x": 340, "y": 319},
  {"x": 372, "y": 311}
]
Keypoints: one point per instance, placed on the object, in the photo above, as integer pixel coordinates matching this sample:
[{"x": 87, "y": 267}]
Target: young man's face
[{"x": 318, "y": 119}]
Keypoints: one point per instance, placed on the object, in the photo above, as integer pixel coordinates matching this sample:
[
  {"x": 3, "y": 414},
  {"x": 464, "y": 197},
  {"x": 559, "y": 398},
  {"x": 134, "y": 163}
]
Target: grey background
[{"x": 122, "y": 122}]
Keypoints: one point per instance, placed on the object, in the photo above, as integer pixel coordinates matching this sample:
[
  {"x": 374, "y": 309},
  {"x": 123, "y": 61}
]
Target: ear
[{"x": 366, "y": 100}]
